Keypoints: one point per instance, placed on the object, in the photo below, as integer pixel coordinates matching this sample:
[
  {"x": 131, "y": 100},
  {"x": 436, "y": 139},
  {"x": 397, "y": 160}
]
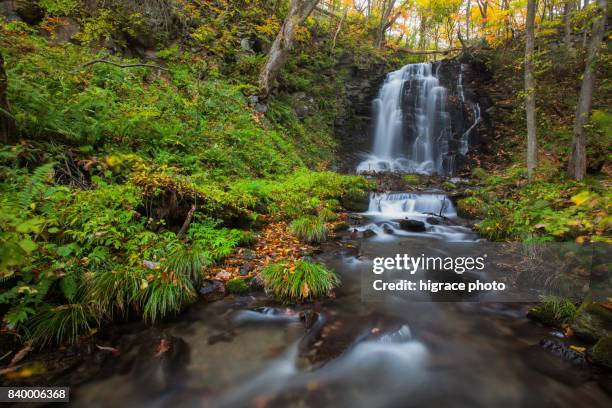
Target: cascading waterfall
[
  {"x": 464, "y": 145},
  {"x": 428, "y": 123}
]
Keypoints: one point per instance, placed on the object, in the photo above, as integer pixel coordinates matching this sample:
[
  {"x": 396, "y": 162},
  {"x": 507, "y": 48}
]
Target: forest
[{"x": 165, "y": 162}]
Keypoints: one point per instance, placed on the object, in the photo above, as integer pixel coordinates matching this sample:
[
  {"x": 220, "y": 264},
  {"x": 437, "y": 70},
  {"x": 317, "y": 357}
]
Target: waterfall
[{"x": 424, "y": 119}]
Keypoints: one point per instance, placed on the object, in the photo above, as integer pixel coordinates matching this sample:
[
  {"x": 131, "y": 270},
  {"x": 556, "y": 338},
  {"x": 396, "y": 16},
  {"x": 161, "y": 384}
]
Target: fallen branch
[
  {"x": 96, "y": 61},
  {"x": 187, "y": 222},
  {"x": 425, "y": 52}
]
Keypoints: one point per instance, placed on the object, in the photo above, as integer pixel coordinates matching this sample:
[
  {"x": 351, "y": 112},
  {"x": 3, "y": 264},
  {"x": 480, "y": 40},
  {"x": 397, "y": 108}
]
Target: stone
[
  {"x": 65, "y": 31},
  {"x": 212, "y": 290},
  {"x": 387, "y": 228},
  {"x": 593, "y": 323},
  {"x": 261, "y": 108},
  {"x": 247, "y": 45},
  {"x": 412, "y": 225},
  {"x": 246, "y": 268},
  {"x": 223, "y": 275},
  {"x": 368, "y": 233},
  {"x": 602, "y": 352},
  {"x": 433, "y": 220},
  {"x": 355, "y": 201}
]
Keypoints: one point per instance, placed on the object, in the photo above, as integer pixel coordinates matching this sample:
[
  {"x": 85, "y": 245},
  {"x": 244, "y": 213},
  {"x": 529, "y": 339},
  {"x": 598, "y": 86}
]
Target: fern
[{"x": 36, "y": 185}]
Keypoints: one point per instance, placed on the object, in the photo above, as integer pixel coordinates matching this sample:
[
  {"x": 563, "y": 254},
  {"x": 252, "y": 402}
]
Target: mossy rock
[
  {"x": 470, "y": 207},
  {"x": 593, "y": 323},
  {"x": 237, "y": 286},
  {"x": 356, "y": 201},
  {"x": 602, "y": 352},
  {"x": 544, "y": 315}
]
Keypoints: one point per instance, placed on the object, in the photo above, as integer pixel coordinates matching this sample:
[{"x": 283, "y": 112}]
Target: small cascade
[
  {"x": 404, "y": 204},
  {"x": 465, "y": 138}
]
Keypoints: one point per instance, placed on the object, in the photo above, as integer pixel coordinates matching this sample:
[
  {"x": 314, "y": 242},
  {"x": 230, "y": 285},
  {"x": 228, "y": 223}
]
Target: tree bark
[
  {"x": 7, "y": 121},
  {"x": 532, "y": 145},
  {"x": 333, "y": 44},
  {"x": 468, "y": 12},
  {"x": 299, "y": 10},
  {"x": 577, "y": 163},
  {"x": 567, "y": 22},
  {"x": 383, "y": 25}
]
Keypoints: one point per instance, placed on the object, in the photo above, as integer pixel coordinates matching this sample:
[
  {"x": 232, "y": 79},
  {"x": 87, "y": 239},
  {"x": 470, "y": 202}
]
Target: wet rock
[
  {"x": 358, "y": 202},
  {"x": 433, "y": 220},
  {"x": 594, "y": 322},
  {"x": 368, "y": 233},
  {"x": 212, "y": 290},
  {"x": 559, "y": 349},
  {"x": 602, "y": 352},
  {"x": 387, "y": 228},
  {"x": 246, "y": 268},
  {"x": 256, "y": 283},
  {"x": 412, "y": 225},
  {"x": 341, "y": 226}
]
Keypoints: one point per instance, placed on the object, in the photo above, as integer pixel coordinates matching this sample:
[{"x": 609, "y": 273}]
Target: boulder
[
  {"x": 356, "y": 201},
  {"x": 368, "y": 233},
  {"x": 593, "y": 323},
  {"x": 412, "y": 225},
  {"x": 433, "y": 220},
  {"x": 602, "y": 352},
  {"x": 212, "y": 290},
  {"x": 29, "y": 11},
  {"x": 65, "y": 30}
]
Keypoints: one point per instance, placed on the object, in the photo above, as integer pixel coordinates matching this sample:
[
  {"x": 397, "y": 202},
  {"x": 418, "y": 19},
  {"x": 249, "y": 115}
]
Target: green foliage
[
  {"x": 60, "y": 323},
  {"x": 189, "y": 263},
  {"x": 237, "y": 286},
  {"x": 554, "y": 311},
  {"x": 309, "y": 229},
  {"x": 166, "y": 295},
  {"x": 301, "y": 281},
  {"x": 126, "y": 286}
]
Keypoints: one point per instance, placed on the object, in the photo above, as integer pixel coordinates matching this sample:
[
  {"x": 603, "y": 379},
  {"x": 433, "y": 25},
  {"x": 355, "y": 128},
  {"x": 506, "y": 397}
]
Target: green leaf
[{"x": 28, "y": 245}]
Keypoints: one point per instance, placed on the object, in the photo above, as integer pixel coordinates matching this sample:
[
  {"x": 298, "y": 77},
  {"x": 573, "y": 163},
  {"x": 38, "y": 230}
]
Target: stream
[{"x": 356, "y": 352}]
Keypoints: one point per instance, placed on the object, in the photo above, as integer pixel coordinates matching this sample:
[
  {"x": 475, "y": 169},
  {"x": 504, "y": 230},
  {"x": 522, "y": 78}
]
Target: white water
[
  {"x": 430, "y": 126},
  {"x": 387, "y": 209}
]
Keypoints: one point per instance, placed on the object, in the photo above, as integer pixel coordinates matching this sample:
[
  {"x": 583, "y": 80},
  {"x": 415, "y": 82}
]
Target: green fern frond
[{"x": 36, "y": 184}]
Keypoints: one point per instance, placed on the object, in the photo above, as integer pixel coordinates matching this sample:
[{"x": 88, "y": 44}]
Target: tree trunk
[
  {"x": 7, "y": 121},
  {"x": 383, "y": 25},
  {"x": 333, "y": 44},
  {"x": 577, "y": 163},
  {"x": 299, "y": 10},
  {"x": 567, "y": 22},
  {"x": 468, "y": 12},
  {"x": 532, "y": 145}
]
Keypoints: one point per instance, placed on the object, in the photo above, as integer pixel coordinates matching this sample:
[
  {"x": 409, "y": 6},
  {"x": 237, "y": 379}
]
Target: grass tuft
[
  {"x": 309, "y": 229},
  {"x": 302, "y": 281}
]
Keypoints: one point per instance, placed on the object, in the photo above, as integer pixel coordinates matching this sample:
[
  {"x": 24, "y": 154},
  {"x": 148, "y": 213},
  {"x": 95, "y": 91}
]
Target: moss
[
  {"x": 553, "y": 312},
  {"x": 592, "y": 323},
  {"x": 602, "y": 352},
  {"x": 357, "y": 201},
  {"x": 237, "y": 286}
]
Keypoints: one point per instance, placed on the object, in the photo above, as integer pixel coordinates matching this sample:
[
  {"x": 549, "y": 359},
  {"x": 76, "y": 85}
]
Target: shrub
[
  {"x": 299, "y": 282},
  {"x": 309, "y": 229}
]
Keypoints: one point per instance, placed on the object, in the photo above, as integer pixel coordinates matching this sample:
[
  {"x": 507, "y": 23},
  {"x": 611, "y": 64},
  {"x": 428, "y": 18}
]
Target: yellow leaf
[{"x": 578, "y": 349}]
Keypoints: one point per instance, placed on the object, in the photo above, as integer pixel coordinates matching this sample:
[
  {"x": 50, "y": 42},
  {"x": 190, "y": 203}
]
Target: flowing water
[{"x": 395, "y": 352}]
